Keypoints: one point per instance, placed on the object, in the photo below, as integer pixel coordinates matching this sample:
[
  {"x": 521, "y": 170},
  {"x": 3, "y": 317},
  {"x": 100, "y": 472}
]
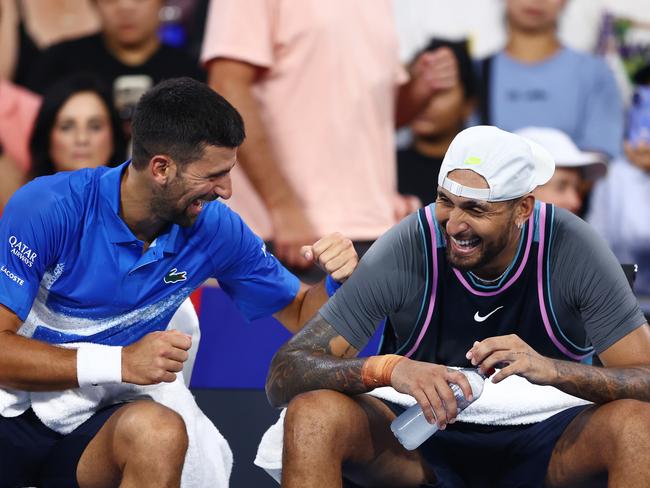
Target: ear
[
  {"x": 162, "y": 168},
  {"x": 525, "y": 208}
]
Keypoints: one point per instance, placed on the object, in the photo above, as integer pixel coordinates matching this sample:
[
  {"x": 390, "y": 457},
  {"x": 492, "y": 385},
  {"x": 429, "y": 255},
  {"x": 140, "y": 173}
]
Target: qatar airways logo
[{"x": 22, "y": 251}]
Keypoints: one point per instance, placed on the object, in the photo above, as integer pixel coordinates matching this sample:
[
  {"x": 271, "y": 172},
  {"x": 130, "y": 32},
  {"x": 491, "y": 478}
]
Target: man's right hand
[
  {"x": 155, "y": 358},
  {"x": 429, "y": 385}
]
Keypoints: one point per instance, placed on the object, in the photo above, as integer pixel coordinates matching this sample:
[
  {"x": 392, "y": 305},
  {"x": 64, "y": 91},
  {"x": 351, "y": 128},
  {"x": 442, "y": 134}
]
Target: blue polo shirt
[{"x": 73, "y": 271}]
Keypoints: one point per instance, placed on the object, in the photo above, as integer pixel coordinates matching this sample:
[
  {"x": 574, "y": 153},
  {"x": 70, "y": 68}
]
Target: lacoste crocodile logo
[
  {"x": 478, "y": 318},
  {"x": 174, "y": 276}
]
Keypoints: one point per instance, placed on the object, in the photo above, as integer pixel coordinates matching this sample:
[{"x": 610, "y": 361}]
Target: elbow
[
  {"x": 275, "y": 380},
  {"x": 274, "y": 397}
]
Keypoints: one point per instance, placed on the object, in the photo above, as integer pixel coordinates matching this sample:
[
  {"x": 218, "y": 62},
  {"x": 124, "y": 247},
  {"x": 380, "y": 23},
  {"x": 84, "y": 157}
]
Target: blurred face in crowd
[
  {"x": 130, "y": 23},
  {"x": 563, "y": 189},
  {"x": 82, "y": 136},
  {"x": 444, "y": 114},
  {"x": 534, "y": 15},
  {"x": 480, "y": 235}
]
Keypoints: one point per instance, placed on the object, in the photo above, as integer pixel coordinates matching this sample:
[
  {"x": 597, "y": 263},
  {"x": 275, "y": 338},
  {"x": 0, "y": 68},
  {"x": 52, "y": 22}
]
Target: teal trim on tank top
[{"x": 427, "y": 286}]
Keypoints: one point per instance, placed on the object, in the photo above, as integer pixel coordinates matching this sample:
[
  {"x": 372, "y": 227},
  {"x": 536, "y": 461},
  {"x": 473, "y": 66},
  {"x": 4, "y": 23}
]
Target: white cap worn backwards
[{"x": 512, "y": 165}]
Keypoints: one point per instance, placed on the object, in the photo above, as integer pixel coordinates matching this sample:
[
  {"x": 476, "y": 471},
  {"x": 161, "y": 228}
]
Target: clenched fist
[{"x": 155, "y": 358}]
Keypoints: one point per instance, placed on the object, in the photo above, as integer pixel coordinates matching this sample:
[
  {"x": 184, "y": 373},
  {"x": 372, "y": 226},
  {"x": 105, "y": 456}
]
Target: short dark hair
[
  {"x": 466, "y": 70},
  {"x": 54, "y": 98},
  {"x": 179, "y": 117}
]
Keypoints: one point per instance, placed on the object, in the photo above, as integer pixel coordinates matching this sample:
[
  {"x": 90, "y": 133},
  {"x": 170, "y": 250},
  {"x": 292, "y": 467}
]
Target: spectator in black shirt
[
  {"x": 127, "y": 54},
  {"x": 435, "y": 127}
]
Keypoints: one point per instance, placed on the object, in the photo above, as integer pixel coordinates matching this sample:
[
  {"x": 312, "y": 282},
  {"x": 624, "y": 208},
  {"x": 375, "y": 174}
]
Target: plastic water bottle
[{"x": 412, "y": 428}]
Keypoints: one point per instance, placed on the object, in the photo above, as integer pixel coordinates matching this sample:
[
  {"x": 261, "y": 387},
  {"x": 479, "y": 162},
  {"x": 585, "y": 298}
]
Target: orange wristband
[{"x": 376, "y": 370}]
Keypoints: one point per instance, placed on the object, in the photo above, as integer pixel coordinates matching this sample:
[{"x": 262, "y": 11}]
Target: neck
[
  {"x": 532, "y": 46},
  {"x": 135, "y": 207},
  {"x": 133, "y": 55},
  {"x": 433, "y": 146}
]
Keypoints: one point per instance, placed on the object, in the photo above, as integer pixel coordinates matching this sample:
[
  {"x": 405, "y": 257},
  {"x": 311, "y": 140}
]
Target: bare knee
[
  {"x": 153, "y": 430},
  {"x": 317, "y": 418},
  {"x": 630, "y": 426}
]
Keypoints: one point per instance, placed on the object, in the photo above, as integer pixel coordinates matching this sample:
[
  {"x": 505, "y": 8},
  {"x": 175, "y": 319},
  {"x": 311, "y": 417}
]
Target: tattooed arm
[
  {"x": 626, "y": 373},
  {"x": 601, "y": 385},
  {"x": 315, "y": 358},
  {"x": 319, "y": 358}
]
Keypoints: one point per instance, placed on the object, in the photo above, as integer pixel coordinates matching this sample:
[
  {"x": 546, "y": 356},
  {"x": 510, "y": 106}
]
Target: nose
[
  {"x": 456, "y": 224},
  {"x": 81, "y": 136},
  {"x": 224, "y": 188}
]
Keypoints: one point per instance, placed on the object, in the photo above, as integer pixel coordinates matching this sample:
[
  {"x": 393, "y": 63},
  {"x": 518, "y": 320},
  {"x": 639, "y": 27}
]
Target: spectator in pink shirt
[{"x": 321, "y": 88}]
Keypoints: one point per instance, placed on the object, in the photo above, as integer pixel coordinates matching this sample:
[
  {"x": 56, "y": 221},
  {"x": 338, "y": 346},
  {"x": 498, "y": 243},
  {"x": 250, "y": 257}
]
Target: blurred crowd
[{"x": 349, "y": 105}]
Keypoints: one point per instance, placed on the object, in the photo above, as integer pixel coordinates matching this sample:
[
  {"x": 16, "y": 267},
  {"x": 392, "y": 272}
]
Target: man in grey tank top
[{"x": 484, "y": 277}]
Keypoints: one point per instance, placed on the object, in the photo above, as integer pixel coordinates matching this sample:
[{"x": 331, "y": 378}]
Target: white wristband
[{"x": 99, "y": 365}]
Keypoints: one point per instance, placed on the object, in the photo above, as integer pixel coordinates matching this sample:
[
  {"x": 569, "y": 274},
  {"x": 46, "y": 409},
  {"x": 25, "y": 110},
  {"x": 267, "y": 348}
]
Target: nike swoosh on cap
[{"x": 478, "y": 318}]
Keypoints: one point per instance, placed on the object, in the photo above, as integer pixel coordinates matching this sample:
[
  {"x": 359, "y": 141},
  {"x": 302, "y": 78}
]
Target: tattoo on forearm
[
  {"x": 315, "y": 358},
  {"x": 601, "y": 385}
]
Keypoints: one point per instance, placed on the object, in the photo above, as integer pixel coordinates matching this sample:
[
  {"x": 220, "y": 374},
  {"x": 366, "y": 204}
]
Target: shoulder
[
  {"x": 74, "y": 45},
  {"x": 223, "y": 228},
  {"x": 400, "y": 244},
  {"x": 178, "y": 60},
  {"x": 217, "y": 216},
  {"x": 586, "y": 63},
  {"x": 66, "y": 190},
  {"x": 409, "y": 228},
  {"x": 175, "y": 53},
  {"x": 571, "y": 229},
  {"x": 407, "y": 154},
  {"x": 578, "y": 250}
]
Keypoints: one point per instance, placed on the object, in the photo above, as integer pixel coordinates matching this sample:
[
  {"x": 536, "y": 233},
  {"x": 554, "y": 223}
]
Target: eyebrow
[
  {"x": 466, "y": 203},
  {"x": 222, "y": 172}
]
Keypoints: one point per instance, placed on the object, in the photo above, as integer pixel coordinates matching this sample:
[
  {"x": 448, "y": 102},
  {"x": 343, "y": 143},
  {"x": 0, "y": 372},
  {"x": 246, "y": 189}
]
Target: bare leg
[
  {"x": 142, "y": 444},
  {"x": 608, "y": 445},
  {"x": 327, "y": 433}
]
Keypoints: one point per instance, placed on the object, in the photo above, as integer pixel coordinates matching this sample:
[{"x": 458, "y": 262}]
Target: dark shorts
[
  {"x": 480, "y": 456},
  {"x": 31, "y": 454}
]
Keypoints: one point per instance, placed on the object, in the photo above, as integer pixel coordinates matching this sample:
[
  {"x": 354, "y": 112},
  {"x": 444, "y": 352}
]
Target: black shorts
[
  {"x": 485, "y": 456},
  {"x": 32, "y": 454}
]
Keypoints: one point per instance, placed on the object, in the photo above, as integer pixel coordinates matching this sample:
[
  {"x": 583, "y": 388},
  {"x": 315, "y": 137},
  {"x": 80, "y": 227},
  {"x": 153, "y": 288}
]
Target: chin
[
  {"x": 463, "y": 263},
  {"x": 182, "y": 219},
  {"x": 186, "y": 221}
]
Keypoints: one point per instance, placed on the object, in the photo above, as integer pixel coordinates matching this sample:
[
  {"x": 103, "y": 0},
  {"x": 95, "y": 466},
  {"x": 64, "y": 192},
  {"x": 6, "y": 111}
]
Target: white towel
[
  {"x": 269, "y": 452},
  {"x": 186, "y": 320},
  {"x": 513, "y": 401},
  {"x": 208, "y": 462}
]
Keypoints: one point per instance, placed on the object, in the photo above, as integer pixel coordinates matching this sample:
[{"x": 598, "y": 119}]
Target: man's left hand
[
  {"x": 334, "y": 254},
  {"x": 514, "y": 356}
]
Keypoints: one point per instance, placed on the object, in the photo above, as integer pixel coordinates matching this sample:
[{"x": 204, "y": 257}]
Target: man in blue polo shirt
[{"x": 98, "y": 260}]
